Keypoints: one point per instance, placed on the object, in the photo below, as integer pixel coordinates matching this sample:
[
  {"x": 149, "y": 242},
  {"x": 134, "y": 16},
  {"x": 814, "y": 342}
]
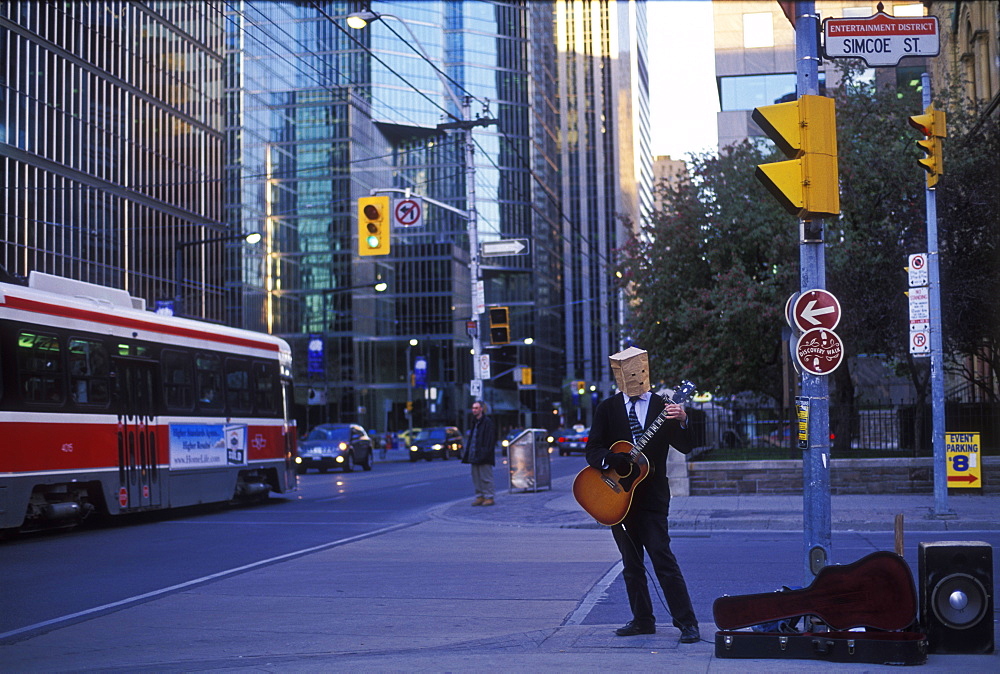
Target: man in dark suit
[{"x": 645, "y": 525}]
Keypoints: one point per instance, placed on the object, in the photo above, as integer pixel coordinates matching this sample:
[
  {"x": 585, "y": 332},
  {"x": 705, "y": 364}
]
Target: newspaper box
[{"x": 528, "y": 460}]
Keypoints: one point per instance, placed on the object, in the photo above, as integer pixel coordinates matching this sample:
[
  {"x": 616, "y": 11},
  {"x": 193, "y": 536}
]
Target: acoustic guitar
[
  {"x": 607, "y": 495},
  {"x": 875, "y": 592}
]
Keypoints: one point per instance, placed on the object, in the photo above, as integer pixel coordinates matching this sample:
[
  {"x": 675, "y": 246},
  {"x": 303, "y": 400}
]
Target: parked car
[
  {"x": 568, "y": 440},
  {"x": 335, "y": 446},
  {"x": 442, "y": 441}
]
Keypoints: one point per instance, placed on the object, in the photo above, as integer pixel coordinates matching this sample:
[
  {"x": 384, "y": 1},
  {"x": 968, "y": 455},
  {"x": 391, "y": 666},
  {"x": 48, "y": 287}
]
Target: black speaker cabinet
[{"x": 956, "y": 596}]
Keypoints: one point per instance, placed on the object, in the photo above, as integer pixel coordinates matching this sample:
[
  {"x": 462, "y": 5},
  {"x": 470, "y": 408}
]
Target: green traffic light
[{"x": 373, "y": 241}]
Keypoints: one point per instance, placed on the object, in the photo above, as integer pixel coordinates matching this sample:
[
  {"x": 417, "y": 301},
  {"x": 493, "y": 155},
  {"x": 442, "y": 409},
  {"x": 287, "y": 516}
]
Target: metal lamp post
[
  {"x": 251, "y": 238},
  {"x": 361, "y": 19},
  {"x": 409, "y": 387}
]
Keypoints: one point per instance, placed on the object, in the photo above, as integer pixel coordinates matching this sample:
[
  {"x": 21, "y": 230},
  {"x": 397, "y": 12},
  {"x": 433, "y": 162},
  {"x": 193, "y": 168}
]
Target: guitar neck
[{"x": 660, "y": 419}]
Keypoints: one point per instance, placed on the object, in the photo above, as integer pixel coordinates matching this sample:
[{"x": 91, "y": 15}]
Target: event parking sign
[{"x": 962, "y": 456}]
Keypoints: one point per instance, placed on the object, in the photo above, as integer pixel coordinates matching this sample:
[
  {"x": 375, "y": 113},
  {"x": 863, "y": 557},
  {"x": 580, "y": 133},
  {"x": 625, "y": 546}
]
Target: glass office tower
[
  {"x": 318, "y": 115},
  {"x": 606, "y": 179},
  {"x": 111, "y": 147}
]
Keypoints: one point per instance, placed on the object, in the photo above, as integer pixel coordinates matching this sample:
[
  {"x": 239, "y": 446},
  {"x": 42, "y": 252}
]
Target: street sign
[
  {"x": 881, "y": 40},
  {"x": 962, "y": 453},
  {"x": 816, "y": 309},
  {"x": 476, "y": 388},
  {"x": 920, "y": 342},
  {"x": 484, "y": 366},
  {"x": 472, "y": 328},
  {"x": 819, "y": 351},
  {"x": 916, "y": 270},
  {"x": 504, "y": 247},
  {"x": 478, "y": 298},
  {"x": 408, "y": 212},
  {"x": 920, "y": 309}
]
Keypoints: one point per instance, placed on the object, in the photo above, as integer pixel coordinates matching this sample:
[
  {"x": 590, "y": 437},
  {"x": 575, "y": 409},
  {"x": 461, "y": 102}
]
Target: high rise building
[
  {"x": 755, "y": 57},
  {"x": 606, "y": 178},
  {"x": 111, "y": 147},
  {"x": 140, "y": 140}
]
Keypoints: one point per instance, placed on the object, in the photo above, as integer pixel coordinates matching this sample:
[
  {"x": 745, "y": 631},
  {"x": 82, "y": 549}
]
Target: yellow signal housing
[
  {"x": 373, "y": 226},
  {"x": 934, "y": 125},
  {"x": 805, "y": 130},
  {"x": 499, "y": 325}
]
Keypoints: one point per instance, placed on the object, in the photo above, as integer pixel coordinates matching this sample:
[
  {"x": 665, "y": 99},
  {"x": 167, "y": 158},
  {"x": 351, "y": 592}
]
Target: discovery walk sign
[{"x": 881, "y": 40}]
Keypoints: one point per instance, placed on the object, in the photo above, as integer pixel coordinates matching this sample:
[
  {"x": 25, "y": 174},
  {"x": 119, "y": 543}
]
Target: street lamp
[
  {"x": 251, "y": 238},
  {"x": 409, "y": 387},
  {"x": 359, "y": 20}
]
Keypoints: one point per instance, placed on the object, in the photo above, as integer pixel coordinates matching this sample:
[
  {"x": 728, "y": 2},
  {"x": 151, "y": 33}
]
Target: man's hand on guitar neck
[{"x": 677, "y": 412}]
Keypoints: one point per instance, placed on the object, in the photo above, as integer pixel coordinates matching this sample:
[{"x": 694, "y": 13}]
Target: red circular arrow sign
[
  {"x": 816, "y": 309},
  {"x": 819, "y": 351}
]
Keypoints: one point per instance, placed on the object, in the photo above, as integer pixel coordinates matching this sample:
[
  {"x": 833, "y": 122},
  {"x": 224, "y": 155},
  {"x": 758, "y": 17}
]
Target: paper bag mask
[{"x": 631, "y": 370}]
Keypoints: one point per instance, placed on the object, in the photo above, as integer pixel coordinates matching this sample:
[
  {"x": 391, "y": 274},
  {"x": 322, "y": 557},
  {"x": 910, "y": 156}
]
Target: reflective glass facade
[
  {"x": 133, "y": 133},
  {"x": 111, "y": 146},
  {"x": 606, "y": 178}
]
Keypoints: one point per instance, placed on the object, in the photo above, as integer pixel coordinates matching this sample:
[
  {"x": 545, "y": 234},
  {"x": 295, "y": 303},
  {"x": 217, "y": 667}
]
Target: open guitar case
[{"x": 860, "y": 612}]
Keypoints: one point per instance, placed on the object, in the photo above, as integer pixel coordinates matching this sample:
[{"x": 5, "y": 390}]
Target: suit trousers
[{"x": 647, "y": 530}]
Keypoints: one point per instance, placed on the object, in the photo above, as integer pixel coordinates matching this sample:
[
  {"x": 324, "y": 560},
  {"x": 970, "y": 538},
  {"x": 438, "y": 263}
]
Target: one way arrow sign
[
  {"x": 504, "y": 247},
  {"x": 816, "y": 309}
]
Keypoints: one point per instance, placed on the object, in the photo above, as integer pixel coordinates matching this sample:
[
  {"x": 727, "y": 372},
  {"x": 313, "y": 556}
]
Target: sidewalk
[
  {"x": 557, "y": 507},
  {"x": 468, "y": 590}
]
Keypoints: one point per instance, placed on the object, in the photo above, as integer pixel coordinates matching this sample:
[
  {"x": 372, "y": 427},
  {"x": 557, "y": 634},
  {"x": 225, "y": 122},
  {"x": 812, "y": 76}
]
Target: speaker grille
[{"x": 959, "y": 601}]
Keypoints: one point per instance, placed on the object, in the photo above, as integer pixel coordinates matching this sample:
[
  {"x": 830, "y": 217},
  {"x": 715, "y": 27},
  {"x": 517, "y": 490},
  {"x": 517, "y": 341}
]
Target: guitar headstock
[{"x": 683, "y": 393}]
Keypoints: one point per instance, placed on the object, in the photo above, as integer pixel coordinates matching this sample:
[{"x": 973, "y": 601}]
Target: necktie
[{"x": 633, "y": 420}]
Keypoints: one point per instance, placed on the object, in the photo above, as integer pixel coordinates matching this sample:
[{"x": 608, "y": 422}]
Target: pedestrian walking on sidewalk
[
  {"x": 480, "y": 452},
  {"x": 624, "y": 417}
]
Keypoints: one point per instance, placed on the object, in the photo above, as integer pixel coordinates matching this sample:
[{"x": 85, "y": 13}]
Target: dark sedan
[
  {"x": 442, "y": 441},
  {"x": 568, "y": 441},
  {"x": 335, "y": 446}
]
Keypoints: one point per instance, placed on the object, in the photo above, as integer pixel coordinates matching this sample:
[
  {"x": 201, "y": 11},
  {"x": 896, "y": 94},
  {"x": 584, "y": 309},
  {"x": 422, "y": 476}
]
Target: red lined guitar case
[{"x": 875, "y": 593}]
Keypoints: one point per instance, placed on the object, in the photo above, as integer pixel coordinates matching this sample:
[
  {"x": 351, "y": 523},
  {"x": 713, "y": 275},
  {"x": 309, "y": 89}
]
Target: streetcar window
[
  {"x": 89, "y": 374},
  {"x": 208, "y": 381},
  {"x": 40, "y": 370},
  {"x": 265, "y": 392},
  {"x": 178, "y": 381},
  {"x": 238, "y": 385},
  {"x": 133, "y": 350}
]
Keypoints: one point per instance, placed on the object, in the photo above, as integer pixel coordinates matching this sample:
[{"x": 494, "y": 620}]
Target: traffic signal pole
[
  {"x": 812, "y": 275},
  {"x": 936, "y": 338}
]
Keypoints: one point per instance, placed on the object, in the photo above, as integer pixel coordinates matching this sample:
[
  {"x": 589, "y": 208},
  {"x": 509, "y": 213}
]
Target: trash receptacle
[{"x": 528, "y": 461}]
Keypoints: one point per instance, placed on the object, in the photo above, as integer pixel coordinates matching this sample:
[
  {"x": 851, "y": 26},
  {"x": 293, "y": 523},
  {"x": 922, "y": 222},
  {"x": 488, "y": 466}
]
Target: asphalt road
[{"x": 61, "y": 573}]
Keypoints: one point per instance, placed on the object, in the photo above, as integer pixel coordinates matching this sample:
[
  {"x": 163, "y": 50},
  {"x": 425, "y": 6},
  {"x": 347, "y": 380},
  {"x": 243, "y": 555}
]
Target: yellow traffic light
[
  {"x": 805, "y": 130},
  {"x": 934, "y": 125},
  {"x": 373, "y": 226},
  {"x": 499, "y": 325}
]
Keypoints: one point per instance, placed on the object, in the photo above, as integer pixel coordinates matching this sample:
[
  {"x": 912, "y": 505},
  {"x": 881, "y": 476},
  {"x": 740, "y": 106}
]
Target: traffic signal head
[
  {"x": 805, "y": 130},
  {"x": 373, "y": 226},
  {"x": 499, "y": 325},
  {"x": 933, "y": 124}
]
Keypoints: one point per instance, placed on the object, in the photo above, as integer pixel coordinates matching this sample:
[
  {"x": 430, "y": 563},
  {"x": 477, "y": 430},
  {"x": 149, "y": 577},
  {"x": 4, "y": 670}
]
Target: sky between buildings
[{"x": 683, "y": 96}]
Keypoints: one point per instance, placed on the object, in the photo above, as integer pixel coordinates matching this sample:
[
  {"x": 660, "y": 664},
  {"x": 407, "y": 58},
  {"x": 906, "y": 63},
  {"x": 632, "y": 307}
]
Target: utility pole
[{"x": 936, "y": 338}]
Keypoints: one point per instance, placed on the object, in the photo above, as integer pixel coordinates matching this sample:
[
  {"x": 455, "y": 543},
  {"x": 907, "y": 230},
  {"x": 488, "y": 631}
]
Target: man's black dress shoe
[
  {"x": 690, "y": 635},
  {"x": 632, "y": 628}
]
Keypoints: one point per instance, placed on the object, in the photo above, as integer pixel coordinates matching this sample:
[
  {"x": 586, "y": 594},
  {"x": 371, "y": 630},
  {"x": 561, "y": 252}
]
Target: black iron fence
[{"x": 856, "y": 432}]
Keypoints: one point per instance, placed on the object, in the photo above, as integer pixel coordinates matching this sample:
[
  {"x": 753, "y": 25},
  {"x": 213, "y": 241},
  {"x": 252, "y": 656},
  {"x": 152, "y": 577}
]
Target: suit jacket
[{"x": 611, "y": 425}]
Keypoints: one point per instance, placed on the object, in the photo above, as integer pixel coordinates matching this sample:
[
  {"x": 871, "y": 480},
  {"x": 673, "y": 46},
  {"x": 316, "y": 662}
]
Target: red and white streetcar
[{"x": 106, "y": 407}]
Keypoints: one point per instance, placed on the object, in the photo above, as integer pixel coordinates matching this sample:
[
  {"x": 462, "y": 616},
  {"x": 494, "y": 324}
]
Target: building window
[
  {"x": 746, "y": 92},
  {"x": 758, "y": 30}
]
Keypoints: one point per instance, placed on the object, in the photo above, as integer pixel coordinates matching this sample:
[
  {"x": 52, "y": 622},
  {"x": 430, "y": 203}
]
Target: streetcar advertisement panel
[{"x": 207, "y": 445}]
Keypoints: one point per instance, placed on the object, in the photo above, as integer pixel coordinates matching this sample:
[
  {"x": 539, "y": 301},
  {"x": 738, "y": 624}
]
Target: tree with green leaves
[{"x": 709, "y": 278}]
